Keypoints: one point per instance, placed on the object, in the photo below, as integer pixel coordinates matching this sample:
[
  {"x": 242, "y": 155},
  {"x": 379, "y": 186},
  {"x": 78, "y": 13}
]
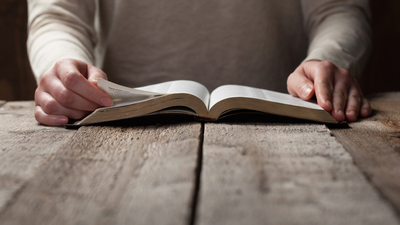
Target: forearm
[
  {"x": 340, "y": 33},
  {"x": 57, "y": 30}
]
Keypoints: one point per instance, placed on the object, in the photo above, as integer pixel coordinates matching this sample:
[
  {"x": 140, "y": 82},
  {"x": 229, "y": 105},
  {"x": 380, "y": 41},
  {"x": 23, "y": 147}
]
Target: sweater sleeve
[
  {"x": 60, "y": 29},
  {"x": 339, "y": 32}
]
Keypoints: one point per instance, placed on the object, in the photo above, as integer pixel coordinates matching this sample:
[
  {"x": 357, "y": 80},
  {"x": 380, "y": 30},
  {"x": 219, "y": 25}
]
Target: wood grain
[
  {"x": 374, "y": 144},
  {"x": 283, "y": 174},
  {"x": 114, "y": 175},
  {"x": 24, "y": 147}
]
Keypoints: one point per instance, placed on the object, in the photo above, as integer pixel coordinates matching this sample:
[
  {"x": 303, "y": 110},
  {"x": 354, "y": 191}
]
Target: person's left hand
[{"x": 336, "y": 90}]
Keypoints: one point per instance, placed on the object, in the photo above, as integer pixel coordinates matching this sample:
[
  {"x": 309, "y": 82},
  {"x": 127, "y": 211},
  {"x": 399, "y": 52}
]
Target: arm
[
  {"x": 340, "y": 43},
  {"x": 60, "y": 47}
]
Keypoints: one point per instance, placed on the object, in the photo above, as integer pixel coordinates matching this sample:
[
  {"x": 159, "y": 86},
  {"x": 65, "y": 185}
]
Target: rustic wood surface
[
  {"x": 283, "y": 174},
  {"x": 190, "y": 173},
  {"x": 374, "y": 144},
  {"x": 105, "y": 175},
  {"x": 24, "y": 147}
]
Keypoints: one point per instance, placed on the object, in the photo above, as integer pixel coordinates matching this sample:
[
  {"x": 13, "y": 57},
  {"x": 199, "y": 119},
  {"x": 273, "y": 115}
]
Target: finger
[
  {"x": 299, "y": 85},
  {"x": 365, "y": 107},
  {"x": 94, "y": 73},
  {"x": 50, "y": 120},
  {"x": 323, "y": 81},
  {"x": 340, "y": 95},
  {"x": 353, "y": 104},
  {"x": 73, "y": 80},
  {"x": 50, "y": 106},
  {"x": 68, "y": 98}
]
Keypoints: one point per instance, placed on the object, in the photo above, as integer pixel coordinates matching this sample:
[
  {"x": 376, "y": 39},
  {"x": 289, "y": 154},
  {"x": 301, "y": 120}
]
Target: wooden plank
[
  {"x": 374, "y": 144},
  {"x": 24, "y": 147},
  {"x": 114, "y": 175},
  {"x": 283, "y": 174}
]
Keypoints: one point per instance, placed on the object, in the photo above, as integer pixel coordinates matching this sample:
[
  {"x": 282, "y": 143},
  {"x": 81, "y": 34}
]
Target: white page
[
  {"x": 123, "y": 95},
  {"x": 180, "y": 86},
  {"x": 232, "y": 91}
]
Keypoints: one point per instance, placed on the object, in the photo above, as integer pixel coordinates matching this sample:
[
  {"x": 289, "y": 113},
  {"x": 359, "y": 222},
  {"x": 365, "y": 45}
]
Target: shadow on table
[
  {"x": 258, "y": 117},
  {"x": 238, "y": 117},
  {"x": 149, "y": 120}
]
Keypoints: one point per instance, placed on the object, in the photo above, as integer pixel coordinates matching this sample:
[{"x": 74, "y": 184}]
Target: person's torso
[{"x": 250, "y": 42}]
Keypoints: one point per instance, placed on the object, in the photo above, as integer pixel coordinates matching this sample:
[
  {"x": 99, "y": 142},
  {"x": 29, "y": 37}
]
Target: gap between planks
[
  {"x": 196, "y": 190},
  {"x": 374, "y": 144},
  {"x": 283, "y": 174},
  {"x": 117, "y": 175}
]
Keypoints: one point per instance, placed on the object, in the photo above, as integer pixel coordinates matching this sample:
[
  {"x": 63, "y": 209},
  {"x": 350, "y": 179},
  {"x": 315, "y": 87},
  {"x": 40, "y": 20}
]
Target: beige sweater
[{"x": 251, "y": 42}]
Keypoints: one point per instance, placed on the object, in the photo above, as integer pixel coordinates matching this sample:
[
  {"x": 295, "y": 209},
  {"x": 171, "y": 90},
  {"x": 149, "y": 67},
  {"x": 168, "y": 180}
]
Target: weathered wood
[
  {"x": 114, "y": 175},
  {"x": 283, "y": 174},
  {"x": 374, "y": 144},
  {"x": 24, "y": 147}
]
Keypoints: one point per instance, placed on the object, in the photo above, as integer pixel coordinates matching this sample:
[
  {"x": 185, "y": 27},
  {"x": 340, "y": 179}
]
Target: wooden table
[{"x": 255, "y": 172}]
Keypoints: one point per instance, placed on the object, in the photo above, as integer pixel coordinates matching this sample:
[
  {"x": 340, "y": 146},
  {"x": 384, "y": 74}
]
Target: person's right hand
[{"x": 69, "y": 90}]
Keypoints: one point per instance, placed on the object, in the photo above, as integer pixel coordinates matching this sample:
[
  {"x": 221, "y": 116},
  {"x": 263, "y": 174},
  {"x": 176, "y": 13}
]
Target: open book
[{"x": 189, "y": 97}]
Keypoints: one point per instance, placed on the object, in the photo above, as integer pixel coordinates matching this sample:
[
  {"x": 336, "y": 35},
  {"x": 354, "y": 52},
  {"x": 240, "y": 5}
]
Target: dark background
[{"x": 17, "y": 82}]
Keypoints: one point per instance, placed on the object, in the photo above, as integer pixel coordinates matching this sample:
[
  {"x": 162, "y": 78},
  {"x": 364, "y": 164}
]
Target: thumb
[
  {"x": 299, "y": 85},
  {"x": 94, "y": 73}
]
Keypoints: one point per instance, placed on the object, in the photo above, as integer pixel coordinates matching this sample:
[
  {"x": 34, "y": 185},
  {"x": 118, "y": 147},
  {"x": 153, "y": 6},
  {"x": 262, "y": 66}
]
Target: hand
[
  {"x": 336, "y": 90},
  {"x": 69, "y": 90}
]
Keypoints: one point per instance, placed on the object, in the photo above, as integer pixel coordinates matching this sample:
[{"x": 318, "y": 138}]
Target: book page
[
  {"x": 180, "y": 86},
  {"x": 122, "y": 95},
  {"x": 232, "y": 91}
]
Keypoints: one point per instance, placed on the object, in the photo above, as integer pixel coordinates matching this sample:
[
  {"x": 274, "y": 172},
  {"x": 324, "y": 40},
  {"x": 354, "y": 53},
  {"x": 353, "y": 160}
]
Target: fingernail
[
  {"x": 61, "y": 121},
  {"x": 306, "y": 91},
  {"x": 106, "y": 101},
  {"x": 366, "y": 111},
  {"x": 353, "y": 114},
  {"x": 340, "y": 112},
  {"x": 329, "y": 104}
]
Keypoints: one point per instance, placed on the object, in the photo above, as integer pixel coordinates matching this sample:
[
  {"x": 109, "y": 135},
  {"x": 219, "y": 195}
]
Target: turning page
[{"x": 122, "y": 95}]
